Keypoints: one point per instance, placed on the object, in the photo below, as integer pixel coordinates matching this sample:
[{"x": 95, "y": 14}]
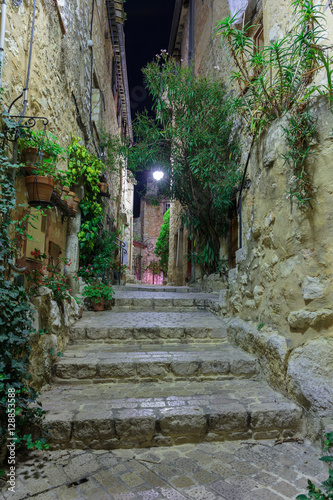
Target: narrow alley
[{"x": 157, "y": 371}]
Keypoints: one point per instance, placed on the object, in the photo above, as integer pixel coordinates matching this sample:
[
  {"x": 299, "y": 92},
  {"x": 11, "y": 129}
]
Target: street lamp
[{"x": 158, "y": 175}]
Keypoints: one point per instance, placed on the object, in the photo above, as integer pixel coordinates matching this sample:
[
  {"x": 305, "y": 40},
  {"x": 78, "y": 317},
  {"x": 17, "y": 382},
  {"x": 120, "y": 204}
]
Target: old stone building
[
  {"x": 279, "y": 288},
  {"x": 64, "y": 68}
]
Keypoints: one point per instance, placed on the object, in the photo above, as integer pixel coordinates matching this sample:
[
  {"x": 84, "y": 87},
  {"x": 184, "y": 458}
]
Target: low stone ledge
[{"x": 270, "y": 348}]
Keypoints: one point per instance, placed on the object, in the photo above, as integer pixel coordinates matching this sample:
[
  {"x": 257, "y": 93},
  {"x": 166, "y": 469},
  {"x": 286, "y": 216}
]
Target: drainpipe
[
  {"x": 125, "y": 78},
  {"x": 239, "y": 208},
  {"x": 2, "y": 37},
  {"x": 191, "y": 35}
]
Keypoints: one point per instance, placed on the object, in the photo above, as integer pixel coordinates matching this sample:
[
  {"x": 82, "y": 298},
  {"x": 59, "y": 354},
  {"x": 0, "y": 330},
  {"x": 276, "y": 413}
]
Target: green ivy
[
  {"x": 15, "y": 320},
  {"x": 86, "y": 168},
  {"x": 162, "y": 243}
]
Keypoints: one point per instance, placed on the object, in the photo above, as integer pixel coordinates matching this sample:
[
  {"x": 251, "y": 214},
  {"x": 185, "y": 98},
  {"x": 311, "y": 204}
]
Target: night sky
[{"x": 147, "y": 31}]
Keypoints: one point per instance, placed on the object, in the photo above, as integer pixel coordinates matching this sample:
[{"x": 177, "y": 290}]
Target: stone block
[
  {"x": 303, "y": 319},
  {"x": 97, "y": 333},
  {"x": 233, "y": 418},
  {"x": 241, "y": 255},
  {"x": 224, "y": 298},
  {"x": 232, "y": 275},
  {"x": 312, "y": 288},
  {"x": 184, "y": 368},
  {"x": 243, "y": 366},
  {"x": 77, "y": 333},
  {"x": 116, "y": 370},
  {"x": 150, "y": 370},
  {"x": 182, "y": 421},
  {"x": 215, "y": 367},
  {"x": 272, "y": 416},
  {"x": 310, "y": 375},
  {"x": 141, "y": 428}
]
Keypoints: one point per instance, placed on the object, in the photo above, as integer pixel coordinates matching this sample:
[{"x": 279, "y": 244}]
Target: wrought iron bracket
[{"x": 13, "y": 133}]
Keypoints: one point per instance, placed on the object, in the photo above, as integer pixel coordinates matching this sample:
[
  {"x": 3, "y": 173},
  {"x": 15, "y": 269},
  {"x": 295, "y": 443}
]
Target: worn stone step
[
  {"x": 109, "y": 416},
  {"x": 156, "y": 288},
  {"x": 136, "y": 300},
  {"x": 132, "y": 364},
  {"x": 149, "y": 326}
]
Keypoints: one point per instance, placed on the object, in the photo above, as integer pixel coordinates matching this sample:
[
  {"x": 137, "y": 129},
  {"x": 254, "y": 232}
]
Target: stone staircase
[{"x": 158, "y": 370}]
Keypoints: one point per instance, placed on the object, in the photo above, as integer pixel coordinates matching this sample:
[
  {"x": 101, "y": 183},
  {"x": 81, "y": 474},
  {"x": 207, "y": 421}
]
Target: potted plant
[
  {"x": 99, "y": 293},
  {"x": 35, "y": 147},
  {"x": 43, "y": 172}
]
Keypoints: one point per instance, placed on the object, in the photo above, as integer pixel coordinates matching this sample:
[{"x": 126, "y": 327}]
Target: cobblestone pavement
[{"x": 208, "y": 471}]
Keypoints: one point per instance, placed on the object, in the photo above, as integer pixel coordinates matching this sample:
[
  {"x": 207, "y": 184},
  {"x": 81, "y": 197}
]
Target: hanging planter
[
  {"x": 31, "y": 157},
  {"x": 39, "y": 188},
  {"x": 103, "y": 187}
]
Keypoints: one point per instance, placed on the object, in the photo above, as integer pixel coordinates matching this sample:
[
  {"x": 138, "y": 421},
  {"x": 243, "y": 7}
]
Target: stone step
[
  {"x": 133, "y": 301},
  {"x": 157, "y": 288},
  {"x": 116, "y": 363},
  {"x": 109, "y": 416},
  {"x": 149, "y": 326}
]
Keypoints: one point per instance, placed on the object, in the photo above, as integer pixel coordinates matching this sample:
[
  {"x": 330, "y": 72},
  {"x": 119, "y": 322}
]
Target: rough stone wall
[
  {"x": 279, "y": 295},
  {"x": 52, "y": 322},
  {"x": 59, "y": 89},
  {"x": 284, "y": 270}
]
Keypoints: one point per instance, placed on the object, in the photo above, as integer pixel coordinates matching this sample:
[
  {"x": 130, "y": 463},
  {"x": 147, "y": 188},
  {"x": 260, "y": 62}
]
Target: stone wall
[
  {"x": 278, "y": 301},
  {"x": 71, "y": 84},
  {"x": 52, "y": 322}
]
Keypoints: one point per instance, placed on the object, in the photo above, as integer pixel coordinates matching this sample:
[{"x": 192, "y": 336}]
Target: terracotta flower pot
[
  {"x": 30, "y": 157},
  {"x": 99, "y": 306},
  {"x": 103, "y": 187},
  {"x": 39, "y": 188}
]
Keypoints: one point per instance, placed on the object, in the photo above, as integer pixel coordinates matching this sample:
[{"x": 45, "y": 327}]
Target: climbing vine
[
  {"x": 162, "y": 243},
  {"x": 279, "y": 78},
  {"x": 86, "y": 168},
  {"x": 15, "y": 322}
]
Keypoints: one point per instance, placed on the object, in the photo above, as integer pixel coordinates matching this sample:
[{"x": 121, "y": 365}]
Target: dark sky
[{"x": 147, "y": 31}]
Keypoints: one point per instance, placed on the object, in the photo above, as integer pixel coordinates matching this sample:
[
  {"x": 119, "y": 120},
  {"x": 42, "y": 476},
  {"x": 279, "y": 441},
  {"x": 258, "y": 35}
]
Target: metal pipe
[
  {"x": 191, "y": 34},
  {"x": 153, "y": 272},
  {"x": 125, "y": 78},
  {"x": 2, "y": 36},
  {"x": 26, "y": 89},
  {"x": 239, "y": 208}
]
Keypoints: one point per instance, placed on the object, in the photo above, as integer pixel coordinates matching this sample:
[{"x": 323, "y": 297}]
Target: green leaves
[{"x": 276, "y": 78}]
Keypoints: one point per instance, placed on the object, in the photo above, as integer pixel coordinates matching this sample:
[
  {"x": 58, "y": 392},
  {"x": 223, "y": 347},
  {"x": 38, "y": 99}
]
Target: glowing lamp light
[{"x": 158, "y": 175}]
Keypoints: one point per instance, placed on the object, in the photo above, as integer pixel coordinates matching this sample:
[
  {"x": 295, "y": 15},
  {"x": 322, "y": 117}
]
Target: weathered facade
[
  {"x": 279, "y": 290},
  {"x": 65, "y": 61}
]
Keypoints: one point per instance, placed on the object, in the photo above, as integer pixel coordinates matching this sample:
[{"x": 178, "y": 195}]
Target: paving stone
[
  {"x": 116, "y": 363},
  {"x": 148, "y": 325}
]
